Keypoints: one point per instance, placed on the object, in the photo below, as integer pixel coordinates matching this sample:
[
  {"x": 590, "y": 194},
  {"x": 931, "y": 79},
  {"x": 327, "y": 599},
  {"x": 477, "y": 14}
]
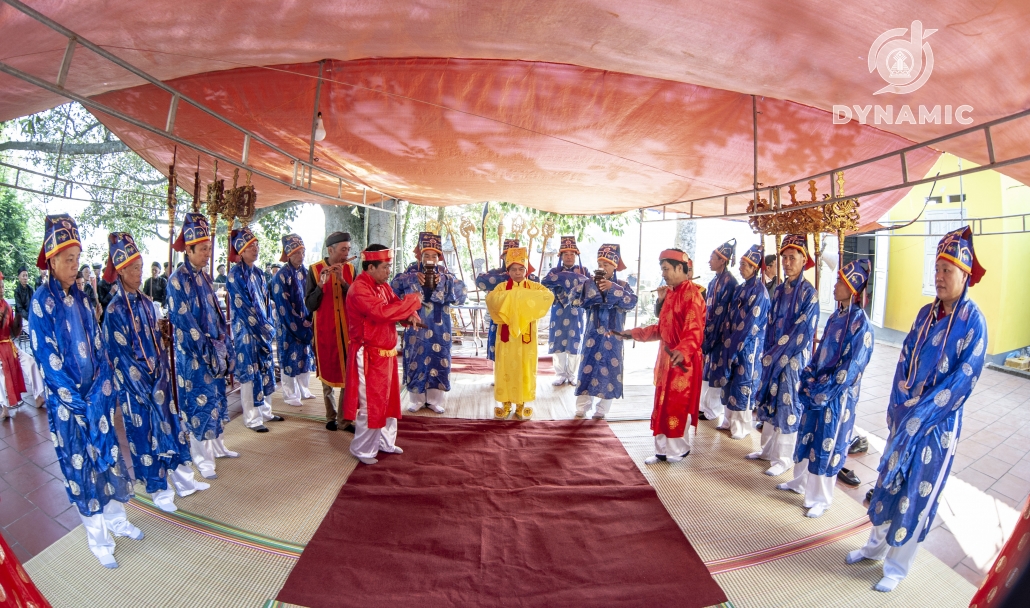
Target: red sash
[{"x": 330, "y": 328}]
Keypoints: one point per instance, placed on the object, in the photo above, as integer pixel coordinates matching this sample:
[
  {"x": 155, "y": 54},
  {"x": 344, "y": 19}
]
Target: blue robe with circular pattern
[
  {"x": 252, "y": 329},
  {"x": 80, "y": 397},
  {"x": 565, "y": 334},
  {"x": 743, "y": 344},
  {"x": 427, "y": 350},
  {"x": 295, "y": 333}
]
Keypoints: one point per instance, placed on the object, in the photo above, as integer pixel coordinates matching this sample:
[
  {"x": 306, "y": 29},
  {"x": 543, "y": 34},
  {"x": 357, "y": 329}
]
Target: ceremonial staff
[
  {"x": 500, "y": 240},
  {"x": 165, "y": 325},
  {"x": 532, "y": 232},
  {"x": 449, "y": 225},
  {"x": 547, "y": 232},
  {"x": 467, "y": 228},
  {"x": 486, "y": 257}
]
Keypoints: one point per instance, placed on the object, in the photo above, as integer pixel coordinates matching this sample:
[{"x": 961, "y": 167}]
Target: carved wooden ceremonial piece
[
  {"x": 467, "y": 228},
  {"x": 164, "y": 325},
  {"x": 837, "y": 218}
]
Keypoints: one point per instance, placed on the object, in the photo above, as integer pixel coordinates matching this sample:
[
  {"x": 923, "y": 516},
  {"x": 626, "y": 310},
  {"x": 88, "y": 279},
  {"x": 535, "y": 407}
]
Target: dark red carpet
[
  {"x": 490, "y": 513},
  {"x": 483, "y": 366}
]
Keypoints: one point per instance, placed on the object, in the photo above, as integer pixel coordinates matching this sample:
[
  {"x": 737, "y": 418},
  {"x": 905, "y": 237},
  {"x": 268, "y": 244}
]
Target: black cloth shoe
[
  {"x": 331, "y": 425},
  {"x": 859, "y": 445},
  {"x": 759, "y": 426},
  {"x": 277, "y": 418},
  {"x": 848, "y": 476},
  {"x": 701, "y": 416},
  {"x": 869, "y": 495},
  {"x": 260, "y": 429},
  {"x": 349, "y": 428}
]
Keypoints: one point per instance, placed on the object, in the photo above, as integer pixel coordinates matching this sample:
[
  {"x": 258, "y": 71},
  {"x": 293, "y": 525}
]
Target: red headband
[
  {"x": 671, "y": 254},
  {"x": 377, "y": 256}
]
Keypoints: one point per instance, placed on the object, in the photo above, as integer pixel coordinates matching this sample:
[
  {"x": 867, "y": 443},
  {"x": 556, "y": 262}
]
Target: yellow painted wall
[{"x": 1004, "y": 293}]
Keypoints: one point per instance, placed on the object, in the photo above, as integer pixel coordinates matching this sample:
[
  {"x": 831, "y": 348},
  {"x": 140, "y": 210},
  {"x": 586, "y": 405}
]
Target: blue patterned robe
[
  {"x": 295, "y": 329},
  {"x": 427, "y": 350},
  {"x": 793, "y": 317},
  {"x": 717, "y": 300},
  {"x": 829, "y": 391},
  {"x": 157, "y": 441},
  {"x": 203, "y": 350},
  {"x": 565, "y": 334},
  {"x": 601, "y": 369},
  {"x": 939, "y": 366},
  {"x": 487, "y": 282},
  {"x": 744, "y": 343},
  {"x": 80, "y": 397},
  {"x": 252, "y": 329}
]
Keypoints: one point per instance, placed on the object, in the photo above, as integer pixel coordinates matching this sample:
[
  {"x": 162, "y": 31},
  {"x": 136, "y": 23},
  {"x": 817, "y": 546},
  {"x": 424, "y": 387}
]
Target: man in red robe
[
  {"x": 324, "y": 295},
  {"x": 677, "y": 375},
  {"x": 373, "y": 311},
  {"x": 12, "y": 383}
]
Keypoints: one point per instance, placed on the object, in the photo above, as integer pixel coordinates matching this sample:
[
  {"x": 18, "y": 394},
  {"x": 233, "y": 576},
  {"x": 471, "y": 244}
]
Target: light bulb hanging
[{"x": 319, "y": 128}]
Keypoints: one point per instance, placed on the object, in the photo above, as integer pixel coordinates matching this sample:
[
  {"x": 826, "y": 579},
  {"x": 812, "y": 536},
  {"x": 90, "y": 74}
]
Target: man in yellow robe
[{"x": 516, "y": 305}]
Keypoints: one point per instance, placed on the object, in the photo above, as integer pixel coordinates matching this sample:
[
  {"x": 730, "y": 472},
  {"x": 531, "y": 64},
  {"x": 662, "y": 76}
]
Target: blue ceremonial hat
[
  {"x": 121, "y": 251},
  {"x": 238, "y": 241},
  {"x": 60, "y": 232},
  {"x": 727, "y": 250},
  {"x": 427, "y": 241},
  {"x": 291, "y": 243},
  {"x": 856, "y": 275},
  {"x": 755, "y": 256},
  {"x": 612, "y": 253},
  {"x": 799, "y": 242},
  {"x": 568, "y": 243},
  {"x": 957, "y": 248},
  {"x": 195, "y": 230}
]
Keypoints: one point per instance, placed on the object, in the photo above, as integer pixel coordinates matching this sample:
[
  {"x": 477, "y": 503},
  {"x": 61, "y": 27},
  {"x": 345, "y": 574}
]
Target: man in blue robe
[
  {"x": 486, "y": 283},
  {"x": 427, "y": 349},
  {"x": 717, "y": 299},
  {"x": 565, "y": 335},
  {"x": 941, "y": 359},
  {"x": 204, "y": 354},
  {"x": 793, "y": 317},
  {"x": 252, "y": 330},
  {"x": 743, "y": 344},
  {"x": 606, "y": 303},
  {"x": 829, "y": 392},
  {"x": 159, "y": 445},
  {"x": 81, "y": 395},
  {"x": 296, "y": 359}
]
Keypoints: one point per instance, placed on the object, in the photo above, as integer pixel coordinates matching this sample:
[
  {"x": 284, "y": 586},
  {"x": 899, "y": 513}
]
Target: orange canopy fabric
[{"x": 568, "y": 105}]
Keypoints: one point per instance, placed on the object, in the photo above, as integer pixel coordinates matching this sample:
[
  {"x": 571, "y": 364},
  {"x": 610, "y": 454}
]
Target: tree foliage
[
  {"x": 127, "y": 193},
  {"x": 20, "y": 234}
]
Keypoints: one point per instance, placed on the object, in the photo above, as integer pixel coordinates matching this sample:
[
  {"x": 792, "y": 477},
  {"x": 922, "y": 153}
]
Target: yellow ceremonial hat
[{"x": 516, "y": 255}]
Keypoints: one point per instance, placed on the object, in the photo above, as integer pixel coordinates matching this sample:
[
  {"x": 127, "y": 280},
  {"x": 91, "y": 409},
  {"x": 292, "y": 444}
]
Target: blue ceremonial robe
[
  {"x": 80, "y": 397},
  {"x": 252, "y": 329},
  {"x": 940, "y": 363},
  {"x": 203, "y": 351},
  {"x": 717, "y": 300},
  {"x": 743, "y": 344},
  {"x": 427, "y": 350},
  {"x": 601, "y": 369},
  {"x": 295, "y": 329},
  {"x": 829, "y": 391},
  {"x": 157, "y": 441},
  {"x": 793, "y": 317},
  {"x": 565, "y": 334}
]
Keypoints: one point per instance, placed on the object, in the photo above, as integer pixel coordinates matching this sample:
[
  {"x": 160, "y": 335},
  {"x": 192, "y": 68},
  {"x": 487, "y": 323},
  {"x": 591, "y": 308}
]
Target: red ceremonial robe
[
  {"x": 330, "y": 327},
  {"x": 13, "y": 380},
  {"x": 677, "y": 388},
  {"x": 373, "y": 311}
]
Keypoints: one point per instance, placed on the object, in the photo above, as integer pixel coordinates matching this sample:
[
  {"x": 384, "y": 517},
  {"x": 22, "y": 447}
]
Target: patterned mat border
[{"x": 219, "y": 530}]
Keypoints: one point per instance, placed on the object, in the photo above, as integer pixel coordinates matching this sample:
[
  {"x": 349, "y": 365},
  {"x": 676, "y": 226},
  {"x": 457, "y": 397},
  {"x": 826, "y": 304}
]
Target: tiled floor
[{"x": 990, "y": 476}]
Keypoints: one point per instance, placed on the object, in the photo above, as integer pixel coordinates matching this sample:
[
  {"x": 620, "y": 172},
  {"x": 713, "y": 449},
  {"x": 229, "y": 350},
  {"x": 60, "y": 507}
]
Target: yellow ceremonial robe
[{"x": 516, "y": 307}]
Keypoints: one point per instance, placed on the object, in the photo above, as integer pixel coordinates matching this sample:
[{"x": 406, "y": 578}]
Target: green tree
[
  {"x": 127, "y": 193},
  {"x": 20, "y": 234}
]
